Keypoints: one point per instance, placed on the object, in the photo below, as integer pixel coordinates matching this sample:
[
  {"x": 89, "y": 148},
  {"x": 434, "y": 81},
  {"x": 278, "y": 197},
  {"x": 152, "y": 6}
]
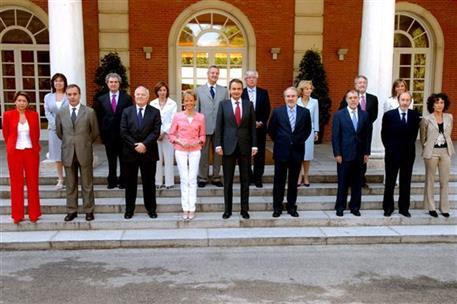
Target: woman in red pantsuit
[{"x": 21, "y": 131}]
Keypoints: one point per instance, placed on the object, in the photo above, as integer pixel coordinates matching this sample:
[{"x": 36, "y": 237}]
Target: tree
[
  {"x": 311, "y": 68},
  {"x": 110, "y": 63}
]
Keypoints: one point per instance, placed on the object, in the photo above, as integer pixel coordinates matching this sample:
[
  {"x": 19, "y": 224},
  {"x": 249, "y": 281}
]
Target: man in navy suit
[
  {"x": 235, "y": 141},
  {"x": 289, "y": 127},
  {"x": 109, "y": 109},
  {"x": 140, "y": 129},
  {"x": 351, "y": 148},
  {"x": 398, "y": 134},
  {"x": 261, "y": 102}
]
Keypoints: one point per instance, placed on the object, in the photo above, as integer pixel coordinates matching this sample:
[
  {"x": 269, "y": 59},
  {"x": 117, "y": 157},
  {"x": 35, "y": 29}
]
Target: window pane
[
  {"x": 193, "y": 28},
  {"x": 42, "y": 37},
  {"x": 205, "y": 21},
  {"x": 28, "y": 83},
  {"x": 401, "y": 40},
  {"x": 202, "y": 60},
  {"x": 418, "y": 85},
  {"x": 419, "y": 72},
  {"x": 187, "y": 59},
  {"x": 237, "y": 40},
  {"x": 236, "y": 73},
  {"x": 421, "y": 41},
  {"x": 43, "y": 56},
  {"x": 185, "y": 39},
  {"x": 405, "y": 72},
  {"x": 7, "y": 17},
  {"x": 17, "y": 36},
  {"x": 8, "y": 70},
  {"x": 44, "y": 70},
  {"x": 219, "y": 21},
  {"x": 7, "y": 56},
  {"x": 202, "y": 72},
  {"x": 419, "y": 59},
  {"x": 212, "y": 39},
  {"x": 28, "y": 70},
  {"x": 27, "y": 56},
  {"x": 187, "y": 72},
  {"x": 9, "y": 83},
  {"x": 405, "y": 22},
  {"x": 35, "y": 25},
  {"x": 236, "y": 60},
  {"x": 416, "y": 29},
  {"x": 9, "y": 95},
  {"x": 23, "y": 17},
  {"x": 32, "y": 97},
  {"x": 44, "y": 83},
  {"x": 405, "y": 59},
  {"x": 220, "y": 59}
]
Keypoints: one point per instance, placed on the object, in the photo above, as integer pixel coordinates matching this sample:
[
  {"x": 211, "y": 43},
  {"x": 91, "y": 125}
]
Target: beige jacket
[{"x": 429, "y": 133}]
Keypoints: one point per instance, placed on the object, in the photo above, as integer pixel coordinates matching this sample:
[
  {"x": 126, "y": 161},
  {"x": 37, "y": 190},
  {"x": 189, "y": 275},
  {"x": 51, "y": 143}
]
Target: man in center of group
[
  {"x": 209, "y": 96},
  {"x": 235, "y": 141}
]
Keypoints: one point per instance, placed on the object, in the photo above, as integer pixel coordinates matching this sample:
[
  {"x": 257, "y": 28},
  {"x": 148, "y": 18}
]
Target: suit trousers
[
  {"x": 349, "y": 175},
  {"x": 148, "y": 170},
  {"x": 441, "y": 160},
  {"x": 279, "y": 183},
  {"x": 165, "y": 163},
  {"x": 259, "y": 159},
  {"x": 393, "y": 166},
  {"x": 20, "y": 163},
  {"x": 113, "y": 153},
  {"x": 187, "y": 162},
  {"x": 87, "y": 186},
  {"x": 203, "y": 170},
  {"x": 229, "y": 163}
]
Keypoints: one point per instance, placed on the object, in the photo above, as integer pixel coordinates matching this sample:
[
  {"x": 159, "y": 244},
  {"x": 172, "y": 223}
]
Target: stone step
[
  {"x": 216, "y": 237},
  {"x": 116, "y": 221},
  {"x": 216, "y": 204},
  {"x": 48, "y": 191}
]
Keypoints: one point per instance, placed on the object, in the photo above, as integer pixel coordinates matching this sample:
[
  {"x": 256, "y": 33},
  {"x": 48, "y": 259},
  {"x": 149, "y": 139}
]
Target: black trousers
[
  {"x": 148, "y": 171},
  {"x": 279, "y": 183},
  {"x": 229, "y": 163},
  {"x": 259, "y": 159},
  {"x": 349, "y": 175},
  {"x": 393, "y": 166},
  {"x": 113, "y": 153}
]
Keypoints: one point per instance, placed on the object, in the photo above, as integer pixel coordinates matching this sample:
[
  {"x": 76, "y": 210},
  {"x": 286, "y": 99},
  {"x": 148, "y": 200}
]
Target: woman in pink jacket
[{"x": 187, "y": 134}]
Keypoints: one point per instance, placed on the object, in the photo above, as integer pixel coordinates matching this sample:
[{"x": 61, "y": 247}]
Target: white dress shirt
[
  {"x": 356, "y": 113},
  {"x": 401, "y": 111},
  {"x": 77, "y": 108},
  {"x": 234, "y": 106},
  {"x": 111, "y": 97},
  {"x": 23, "y": 136},
  {"x": 138, "y": 110}
]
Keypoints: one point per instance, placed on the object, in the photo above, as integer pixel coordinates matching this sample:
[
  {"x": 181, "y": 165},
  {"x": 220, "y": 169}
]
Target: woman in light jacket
[
  {"x": 399, "y": 86},
  {"x": 188, "y": 135},
  {"x": 435, "y": 136},
  {"x": 305, "y": 88},
  {"x": 53, "y": 102},
  {"x": 167, "y": 108}
]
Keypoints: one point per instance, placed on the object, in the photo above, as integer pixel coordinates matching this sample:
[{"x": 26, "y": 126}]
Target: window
[{"x": 24, "y": 56}]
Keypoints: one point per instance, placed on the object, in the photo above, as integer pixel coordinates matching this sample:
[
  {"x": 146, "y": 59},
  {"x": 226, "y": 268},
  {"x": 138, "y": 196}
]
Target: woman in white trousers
[{"x": 187, "y": 134}]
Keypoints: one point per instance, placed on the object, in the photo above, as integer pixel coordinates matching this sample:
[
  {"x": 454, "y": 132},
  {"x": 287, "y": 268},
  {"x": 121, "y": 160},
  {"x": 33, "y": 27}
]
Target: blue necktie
[
  {"x": 403, "y": 117},
  {"x": 140, "y": 117},
  {"x": 211, "y": 90},
  {"x": 354, "y": 120},
  {"x": 292, "y": 119},
  {"x": 73, "y": 116}
]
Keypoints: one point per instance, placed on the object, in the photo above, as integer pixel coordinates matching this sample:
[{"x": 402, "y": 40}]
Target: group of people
[{"x": 230, "y": 126}]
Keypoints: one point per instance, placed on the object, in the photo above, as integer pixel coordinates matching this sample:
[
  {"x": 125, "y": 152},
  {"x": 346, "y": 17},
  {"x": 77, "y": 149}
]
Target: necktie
[
  {"x": 292, "y": 119},
  {"x": 363, "y": 103},
  {"x": 354, "y": 120},
  {"x": 73, "y": 116},
  {"x": 403, "y": 117},
  {"x": 238, "y": 113},
  {"x": 113, "y": 103},
  {"x": 251, "y": 93},
  {"x": 211, "y": 90},
  {"x": 140, "y": 117}
]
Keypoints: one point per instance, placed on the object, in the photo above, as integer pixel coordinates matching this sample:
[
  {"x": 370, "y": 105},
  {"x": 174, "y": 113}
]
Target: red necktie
[{"x": 238, "y": 113}]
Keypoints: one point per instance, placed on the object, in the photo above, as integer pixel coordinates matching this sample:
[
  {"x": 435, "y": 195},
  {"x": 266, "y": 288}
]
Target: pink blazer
[{"x": 186, "y": 132}]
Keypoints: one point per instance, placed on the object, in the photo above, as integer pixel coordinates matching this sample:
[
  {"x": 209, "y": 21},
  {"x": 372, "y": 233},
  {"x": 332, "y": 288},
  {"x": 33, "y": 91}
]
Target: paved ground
[{"x": 311, "y": 274}]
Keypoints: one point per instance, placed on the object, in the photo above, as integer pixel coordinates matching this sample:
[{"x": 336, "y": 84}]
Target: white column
[
  {"x": 66, "y": 41},
  {"x": 376, "y": 60}
]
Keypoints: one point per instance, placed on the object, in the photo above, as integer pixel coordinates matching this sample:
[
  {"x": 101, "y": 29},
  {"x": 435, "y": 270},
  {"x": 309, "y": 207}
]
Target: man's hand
[
  {"x": 161, "y": 136},
  {"x": 365, "y": 158},
  {"x": 140, "y": 148},
  {"x": 339, "y": 159},
  {"x": 253, "y": 151},
  {"x": 258, "y": 124},
  {"x": 219, "y": 151}
]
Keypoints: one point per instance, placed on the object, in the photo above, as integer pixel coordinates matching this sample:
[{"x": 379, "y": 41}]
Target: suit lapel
[
  {"x": 81, "y": 112},
  {"x": 348, "y": 118},
  {"x": 286, "y": 117}
]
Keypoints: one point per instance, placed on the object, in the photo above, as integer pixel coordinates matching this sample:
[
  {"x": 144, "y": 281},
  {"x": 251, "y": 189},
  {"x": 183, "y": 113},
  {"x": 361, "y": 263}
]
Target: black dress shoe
[
  {"x": 90, "y": 216},
  {"x": 433, "y": 213},
  {"x": 70, "y": 216},
  {"x": 226, "y": 215},
  {"x": 128, "y": 215},
  {"x": 218, "y": 184},
  {"x": 405, "y": 213},
  {"x": 306, "y": 185},
  {"x": 121, "y": 186},
  {"x": 152, "y": 214},
  {"x": 245, "y": 215},
  {"x": 293, "y": 213},
  {"x": 258, "y": 185},
  {"x": 365, "y": 186},
  {"x": 388, "y": 213},
  {"x": 111, "y": 186},
  {"x": 445, "y": 214},
  {"x": 339, "y": 212},
  {"x": 276, "y": 213},
  {"x": 355, "y": 212},
  {"x": 201, "y": 184}
]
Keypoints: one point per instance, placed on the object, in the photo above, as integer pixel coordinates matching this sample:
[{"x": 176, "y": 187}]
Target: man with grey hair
[
  {"x": 289, "y": 127},
  {"x": 109, "y": 109},
  {"x": 261, "y": 103},
  {"x": 208, "y": 97}
]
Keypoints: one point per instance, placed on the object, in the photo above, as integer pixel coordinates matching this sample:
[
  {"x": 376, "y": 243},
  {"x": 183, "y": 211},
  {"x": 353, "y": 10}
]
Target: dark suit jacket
[
  {"x": 288, "y": 144},
  {"x": 347, "y": 142},
  {"x": 131, "y": 133},
  {"x": 109, "y": 122},
  {"x": 228, "y": 134},
  {"x": 398, "y": 140},
  {"x": 262, "y": 104},
  {"x": 371, "y": 106}
]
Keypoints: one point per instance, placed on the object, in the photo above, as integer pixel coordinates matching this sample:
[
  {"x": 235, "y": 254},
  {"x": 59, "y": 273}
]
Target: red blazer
[{"x": 10, "y": 122}]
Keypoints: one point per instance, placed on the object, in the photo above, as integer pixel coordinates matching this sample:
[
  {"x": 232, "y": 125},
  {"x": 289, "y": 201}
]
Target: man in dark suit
[
  {"x": 235, "y": 141},
  {"x": 289, "y": 127},
  {"x": 398, "y": 134},
  {"x": 367, "y": 102},
  {"x": 351, "y": 148},
  {"x": 140, "y": 129},
  {"x": 261, "y": 102},
  {"x": 109, "y": 109}
]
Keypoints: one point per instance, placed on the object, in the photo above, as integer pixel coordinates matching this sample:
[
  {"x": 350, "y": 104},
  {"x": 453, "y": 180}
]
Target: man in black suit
[
  {"x": 109, "y": 109},
  {"x": 289, "y": 127},
  {"x": 261, "y": 102},
  {"x": 351, "y": 149},
  {"x": 235, "y": 141},
  {"x": 140, "y": 129},
  {"x": 367, "y": 102},
  {"x": 398, "y": 135}
]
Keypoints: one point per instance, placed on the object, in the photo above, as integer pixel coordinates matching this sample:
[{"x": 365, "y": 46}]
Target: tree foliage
[{"x": 110, "y": 63}]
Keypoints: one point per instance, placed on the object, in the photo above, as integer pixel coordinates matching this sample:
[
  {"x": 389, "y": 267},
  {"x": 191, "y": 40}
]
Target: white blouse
[{"x": 23, "y": 136}]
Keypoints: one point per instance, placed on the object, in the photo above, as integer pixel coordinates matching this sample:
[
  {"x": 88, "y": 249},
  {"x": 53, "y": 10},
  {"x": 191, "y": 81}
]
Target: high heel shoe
[{"x": 191, "y": 215}]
